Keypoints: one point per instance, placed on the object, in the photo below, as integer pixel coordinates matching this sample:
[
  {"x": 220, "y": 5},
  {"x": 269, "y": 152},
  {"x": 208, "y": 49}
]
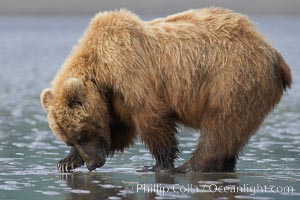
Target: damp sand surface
[{"x": 32, "y": 50}]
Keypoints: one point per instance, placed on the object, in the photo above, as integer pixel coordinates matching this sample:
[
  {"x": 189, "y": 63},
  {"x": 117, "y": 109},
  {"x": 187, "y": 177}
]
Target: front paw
[
  {"x": 183, "y": 169},
  {"x": 68, "y": 164}
]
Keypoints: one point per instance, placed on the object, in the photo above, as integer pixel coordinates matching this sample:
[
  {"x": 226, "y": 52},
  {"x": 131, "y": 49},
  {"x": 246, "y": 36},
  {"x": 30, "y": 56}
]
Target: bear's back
[{"x": 207, "y": 21}]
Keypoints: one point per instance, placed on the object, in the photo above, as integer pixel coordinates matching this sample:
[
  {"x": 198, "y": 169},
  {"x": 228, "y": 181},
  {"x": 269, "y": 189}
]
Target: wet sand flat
[{"x": 32, "y": 50}]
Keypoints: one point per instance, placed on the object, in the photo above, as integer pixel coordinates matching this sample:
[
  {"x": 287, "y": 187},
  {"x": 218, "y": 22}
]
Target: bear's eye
[
  {"x": 76, "y": 103},
  {"x": 82, "y": 139}
]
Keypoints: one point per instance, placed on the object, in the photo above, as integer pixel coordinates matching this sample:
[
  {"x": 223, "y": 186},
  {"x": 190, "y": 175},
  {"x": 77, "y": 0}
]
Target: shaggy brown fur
[{"x": 208, "y": 69}]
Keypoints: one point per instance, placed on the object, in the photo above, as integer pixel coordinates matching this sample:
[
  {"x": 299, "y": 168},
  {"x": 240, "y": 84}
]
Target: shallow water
[{"x": 32, "y": 50}]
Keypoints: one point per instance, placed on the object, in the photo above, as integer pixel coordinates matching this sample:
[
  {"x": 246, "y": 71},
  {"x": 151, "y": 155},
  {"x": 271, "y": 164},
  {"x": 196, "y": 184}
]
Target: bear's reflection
[
  {"x": 125, "y": 186},
  {"x": 99, "y": 186}
]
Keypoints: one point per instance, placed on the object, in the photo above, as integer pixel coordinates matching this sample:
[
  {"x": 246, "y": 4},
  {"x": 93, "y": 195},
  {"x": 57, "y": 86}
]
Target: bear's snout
[
  {"x": 93, "y": 164},
  {"x": 93, "y": 154}
]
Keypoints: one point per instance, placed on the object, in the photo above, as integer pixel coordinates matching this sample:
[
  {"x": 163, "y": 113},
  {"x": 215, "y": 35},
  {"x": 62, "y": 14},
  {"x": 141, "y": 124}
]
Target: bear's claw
[
  {"x": 66, "y": 165},
  {"x": 72, "y": 161}
]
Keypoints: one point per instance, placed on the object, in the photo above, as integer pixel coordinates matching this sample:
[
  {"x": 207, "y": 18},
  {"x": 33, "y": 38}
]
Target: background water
[{"x": 32, "y": 50}]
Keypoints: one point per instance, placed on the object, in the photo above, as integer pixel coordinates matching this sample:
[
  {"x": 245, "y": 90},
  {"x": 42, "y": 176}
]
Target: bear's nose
[{"x": 91, "y": 166}]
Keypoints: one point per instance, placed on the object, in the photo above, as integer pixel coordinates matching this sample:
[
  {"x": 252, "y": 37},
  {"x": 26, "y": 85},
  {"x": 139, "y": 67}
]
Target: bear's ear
[
  {"x": 74, "y": 92},
  {"x": 46, "y": 98}
]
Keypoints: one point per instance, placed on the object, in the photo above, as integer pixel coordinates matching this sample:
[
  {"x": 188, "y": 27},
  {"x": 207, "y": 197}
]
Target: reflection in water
[
  {"x": 92, "y": 186},
  {"x": 165, "y": 186},
  {"x": 31, "y": 52}
]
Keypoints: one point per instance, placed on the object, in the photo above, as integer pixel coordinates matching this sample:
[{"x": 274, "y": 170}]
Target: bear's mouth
[
  {"x": 93, "y": 153},
  {"x": 92, "y": 165}
]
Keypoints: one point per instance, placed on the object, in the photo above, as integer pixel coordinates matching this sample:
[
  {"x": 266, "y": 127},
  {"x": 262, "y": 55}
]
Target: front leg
[
  {"x": 158, "y": 132},
  {"x": 72, "y": 161}
]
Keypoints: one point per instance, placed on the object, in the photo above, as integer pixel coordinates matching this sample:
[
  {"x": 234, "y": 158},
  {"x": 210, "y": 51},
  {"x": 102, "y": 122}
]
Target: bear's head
[{"x": 78, "y": 115}]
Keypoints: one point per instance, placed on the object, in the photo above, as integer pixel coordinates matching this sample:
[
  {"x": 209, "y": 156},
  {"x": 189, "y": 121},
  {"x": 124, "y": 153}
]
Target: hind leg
[
  {"x": 229, "y": 164},
  {"x": 222, "y": 137},
  {"x": 213, "y": 154}
]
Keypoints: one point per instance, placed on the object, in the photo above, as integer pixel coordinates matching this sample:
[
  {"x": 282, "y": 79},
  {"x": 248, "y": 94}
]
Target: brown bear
[{"x": 208, "y": 69}]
